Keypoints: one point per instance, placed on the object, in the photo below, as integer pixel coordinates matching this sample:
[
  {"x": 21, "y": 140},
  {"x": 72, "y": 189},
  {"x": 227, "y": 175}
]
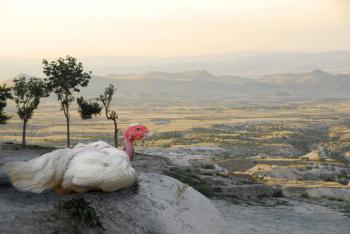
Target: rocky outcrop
[
  {"x": 318, "y": 181},
  {"x": 204, "y": 175},
  {"x": 185, "y": 156},
  {"x": 159, "y": 204},
  {"x": 249, "y": 191},
  {"x": 331, "y": 193},
  {"x": 340, "y": 194},
  {"x": 340, "y": 174}
]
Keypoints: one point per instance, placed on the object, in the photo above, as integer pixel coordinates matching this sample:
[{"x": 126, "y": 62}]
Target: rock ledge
[{"x": 159, "y": 204}]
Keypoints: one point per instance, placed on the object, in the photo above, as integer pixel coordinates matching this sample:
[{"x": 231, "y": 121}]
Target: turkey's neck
[{"x": 129, "y": 149}]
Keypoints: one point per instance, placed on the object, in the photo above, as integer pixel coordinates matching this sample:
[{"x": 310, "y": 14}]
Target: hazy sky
[{"x": 51, "y": 28}]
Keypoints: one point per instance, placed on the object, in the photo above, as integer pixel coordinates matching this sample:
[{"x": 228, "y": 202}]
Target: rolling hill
[
  {"x": 203, "y": 86},
  {"x": 245, "y": 64}
]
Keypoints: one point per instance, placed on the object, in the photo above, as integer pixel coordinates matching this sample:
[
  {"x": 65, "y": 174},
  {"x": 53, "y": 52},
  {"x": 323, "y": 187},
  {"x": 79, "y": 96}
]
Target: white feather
[{"x": 94, "y": 166}]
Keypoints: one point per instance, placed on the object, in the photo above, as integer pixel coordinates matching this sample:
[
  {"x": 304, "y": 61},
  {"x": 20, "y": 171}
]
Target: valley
[{"x": 245, "y": 149}]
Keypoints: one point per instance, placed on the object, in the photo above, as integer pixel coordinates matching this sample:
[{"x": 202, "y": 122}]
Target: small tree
[
  {"x": 65, "y": 77},
  {"x": 5, "y": 93},
  {"x": 106, "y": 99},
  {"x": 27, "y": 95},
  {"x": 88, "y": 108}
]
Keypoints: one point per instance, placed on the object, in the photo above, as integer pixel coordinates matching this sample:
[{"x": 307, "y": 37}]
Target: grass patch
[
  {"x": 80, "y": 213},
  {"x": 181, "y": 190},
  {"x": 208, "y": 166}
]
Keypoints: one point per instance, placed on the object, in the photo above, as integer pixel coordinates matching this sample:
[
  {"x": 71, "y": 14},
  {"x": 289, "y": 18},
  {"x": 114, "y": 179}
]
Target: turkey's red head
[{"x": 136, "y": 132}]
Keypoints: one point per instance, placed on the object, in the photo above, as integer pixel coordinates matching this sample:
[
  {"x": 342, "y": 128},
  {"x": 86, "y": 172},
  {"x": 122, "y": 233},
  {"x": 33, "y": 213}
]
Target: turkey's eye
[{"x": 137, "y": 129}]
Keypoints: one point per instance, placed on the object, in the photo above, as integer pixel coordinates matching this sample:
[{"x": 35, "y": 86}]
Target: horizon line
[{"x": 184, "y": 56}]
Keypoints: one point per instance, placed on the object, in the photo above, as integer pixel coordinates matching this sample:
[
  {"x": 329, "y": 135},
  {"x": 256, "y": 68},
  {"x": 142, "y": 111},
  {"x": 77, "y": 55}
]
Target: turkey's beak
[{"x": 148, "y": 135}]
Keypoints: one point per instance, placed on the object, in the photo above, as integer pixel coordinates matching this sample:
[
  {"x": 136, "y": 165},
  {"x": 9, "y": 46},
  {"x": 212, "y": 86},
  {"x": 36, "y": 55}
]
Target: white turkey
[{"x": 96, "y": 166}]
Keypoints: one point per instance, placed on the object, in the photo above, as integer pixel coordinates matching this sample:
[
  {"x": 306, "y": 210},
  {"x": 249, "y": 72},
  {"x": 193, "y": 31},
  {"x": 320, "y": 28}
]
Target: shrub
[
  {"x": 87, "y": 109},
  {"x": 303, "y": 139},
  {"x": 80, "y": 212}
]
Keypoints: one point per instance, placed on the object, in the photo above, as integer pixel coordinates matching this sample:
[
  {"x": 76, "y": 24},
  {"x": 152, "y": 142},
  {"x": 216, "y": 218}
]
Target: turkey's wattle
[
  {"x": 94, "y": 166},
  {"x": 132, "y": 134}
]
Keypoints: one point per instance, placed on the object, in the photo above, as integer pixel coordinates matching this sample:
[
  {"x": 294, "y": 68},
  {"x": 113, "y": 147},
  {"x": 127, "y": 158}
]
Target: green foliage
[
  {"x": 208, "y": 166},
  {"x": 165, "y": 144},
  {"x": 80, "y": 212},
  {"x": 5, "y": 93},
  {"x": 106, "y": 99},
  {"x": 303, "y": 139},
  {"x": 181, "y": 189},
  {"x": 88, "y": 108},
  {"x": 337, "y": 153},
  {"x": 64, "y": 77},
  {"x": 27, "y": 94}
]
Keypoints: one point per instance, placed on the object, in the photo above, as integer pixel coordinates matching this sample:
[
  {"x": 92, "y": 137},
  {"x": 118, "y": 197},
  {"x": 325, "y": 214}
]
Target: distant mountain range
[
  {"x": 244, "y": 64},
  {"x": 204, "y": 86},
  {"x": 201, "y": 85}
]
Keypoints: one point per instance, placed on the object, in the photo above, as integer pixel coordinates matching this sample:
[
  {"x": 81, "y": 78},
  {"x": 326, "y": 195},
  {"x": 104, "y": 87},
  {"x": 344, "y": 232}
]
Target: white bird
[{"x": 96, "y": 166}]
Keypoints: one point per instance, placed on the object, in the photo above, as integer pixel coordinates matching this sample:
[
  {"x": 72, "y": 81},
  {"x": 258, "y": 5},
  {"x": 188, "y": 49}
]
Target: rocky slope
[
  {"x": 317, "y": 181},
  {"x": 158, "y": 204}
]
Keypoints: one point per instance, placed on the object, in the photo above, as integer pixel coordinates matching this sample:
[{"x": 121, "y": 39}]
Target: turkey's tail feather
[{"x": 41, "y": 173}]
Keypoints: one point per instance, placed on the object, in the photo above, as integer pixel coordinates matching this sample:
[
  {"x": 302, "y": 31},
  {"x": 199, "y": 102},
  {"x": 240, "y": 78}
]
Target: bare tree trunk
[
  {"x": 66, "y": 114},
  {"x": 68, "y": 131},
  {"x": 116, "y": 130},
  {"x": 24, "y": 133}
]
